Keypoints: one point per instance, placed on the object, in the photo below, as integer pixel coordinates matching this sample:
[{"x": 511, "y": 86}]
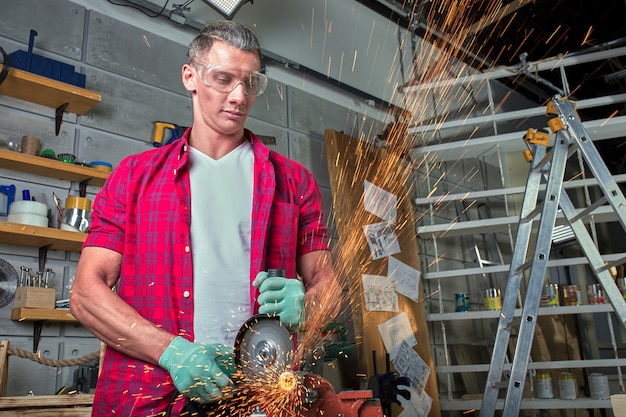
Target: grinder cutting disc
[
  {"x": 263, "y": 348},
  {"x": 8, "y": 283}
]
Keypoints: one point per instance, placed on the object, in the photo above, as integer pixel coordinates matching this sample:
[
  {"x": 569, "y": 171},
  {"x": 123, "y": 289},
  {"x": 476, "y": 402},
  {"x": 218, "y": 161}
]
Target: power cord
[
  {"x": 141, "y": 9},
  {"x": 5, "y": 65}
]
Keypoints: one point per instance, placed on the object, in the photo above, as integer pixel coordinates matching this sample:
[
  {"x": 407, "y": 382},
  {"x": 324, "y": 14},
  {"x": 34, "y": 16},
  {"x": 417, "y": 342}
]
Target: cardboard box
[{"x": 34, "y": 297}]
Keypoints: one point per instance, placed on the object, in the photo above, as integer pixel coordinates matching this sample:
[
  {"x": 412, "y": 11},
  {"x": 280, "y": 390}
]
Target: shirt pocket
[{"x": 283, "y": 237}]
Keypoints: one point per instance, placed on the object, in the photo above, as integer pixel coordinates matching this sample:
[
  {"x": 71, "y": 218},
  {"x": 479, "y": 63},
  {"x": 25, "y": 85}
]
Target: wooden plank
[
  {"x": 556, "y": 339},
  {"x": 350, "y": 164},
  {"x": 31, "y": 87},
  {"x": 37, "y": 314},
  {"x": 49, "y": 401},
  {"x": 26, "y": 235},
  {"x": 51, "y": 168},
  {"x": 49, "y": 412},
  {"x": 474, "y": 382}
]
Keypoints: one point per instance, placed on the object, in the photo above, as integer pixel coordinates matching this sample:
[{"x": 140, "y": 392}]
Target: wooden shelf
[
  {"x": 29, "y": 403},
  {"x": 35, "y": 88},
  {"x": 35, "y": 236},
  {"x": 38, "y": 314},
  {"x": 52, "y": 168}
]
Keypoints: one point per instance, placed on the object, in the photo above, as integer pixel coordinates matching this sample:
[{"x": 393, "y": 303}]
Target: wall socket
[{"x": 178, "y": 17}]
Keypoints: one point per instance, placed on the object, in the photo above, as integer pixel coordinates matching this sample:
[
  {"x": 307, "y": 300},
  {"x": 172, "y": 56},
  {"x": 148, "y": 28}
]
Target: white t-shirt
[{"x": 221, "y": 216}]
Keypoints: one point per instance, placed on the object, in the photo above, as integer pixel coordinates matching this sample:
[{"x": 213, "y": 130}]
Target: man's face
[{"x": 216, "y": 109}]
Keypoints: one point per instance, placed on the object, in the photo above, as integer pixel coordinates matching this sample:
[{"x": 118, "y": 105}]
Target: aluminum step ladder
[{"x": 549, "y": 168}]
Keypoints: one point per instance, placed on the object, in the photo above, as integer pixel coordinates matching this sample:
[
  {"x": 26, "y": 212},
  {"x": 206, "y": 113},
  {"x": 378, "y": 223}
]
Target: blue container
[{"x": 462, "y": 301}]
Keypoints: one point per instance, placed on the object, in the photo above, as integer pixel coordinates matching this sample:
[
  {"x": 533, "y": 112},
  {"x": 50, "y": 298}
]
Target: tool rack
[{"x": 45, "y": 238}]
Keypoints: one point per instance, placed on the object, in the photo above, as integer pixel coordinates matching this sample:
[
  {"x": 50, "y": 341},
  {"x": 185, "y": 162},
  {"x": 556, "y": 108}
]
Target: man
[{"x": 184, "y": 230}]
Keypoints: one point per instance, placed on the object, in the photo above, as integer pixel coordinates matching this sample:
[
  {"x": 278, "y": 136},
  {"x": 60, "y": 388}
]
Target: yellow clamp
[
  {"x": 538, "y": 137},
  {"x": 551, "y": 109},
  {"x": 555, "y": 123},
  {"x": 528, "y": 155}
]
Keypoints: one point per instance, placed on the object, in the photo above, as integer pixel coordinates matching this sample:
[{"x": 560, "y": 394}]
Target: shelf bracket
[
  {"x": 58, "y": 119},
  {"x": 37, "y": 327},
  {"x": 43, "y": 255},
  {"x": 82, "y": 187}
]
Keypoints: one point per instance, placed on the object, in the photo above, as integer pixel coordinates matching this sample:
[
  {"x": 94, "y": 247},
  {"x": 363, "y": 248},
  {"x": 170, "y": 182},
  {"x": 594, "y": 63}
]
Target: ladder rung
[
  {"x": 501, "y": 384},
  {"x": 534, "y": 213},
  {"x": 544, "y": 164},
  {"x": 589, "y": 209},
  {"x": 513, "y": 324},
  {"x": 573, "y": 147},
  {"x": 523, "y": 267},
  {"x": 612, "y": 264}
]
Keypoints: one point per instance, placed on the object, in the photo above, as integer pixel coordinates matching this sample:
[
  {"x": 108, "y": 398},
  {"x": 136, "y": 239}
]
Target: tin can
[
  {"x": 550, "y": 295},
  {"x": 492, "y": 299},
  {"x": 543, "y": 386},
  {"x": 462, "y": 301},
  {"x": 567, "y": 386},
  {"x": 595, "y": 294},
  {"x": 599, "y": 386},
  {"x": 572, "y": 295}
]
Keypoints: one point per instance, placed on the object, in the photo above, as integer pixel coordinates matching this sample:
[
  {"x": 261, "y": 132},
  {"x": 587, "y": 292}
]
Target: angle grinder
[
  {"x": 263, "y": 351},
  {"x": 267, "y": 384},
  {"x": 263, "y": 348}
]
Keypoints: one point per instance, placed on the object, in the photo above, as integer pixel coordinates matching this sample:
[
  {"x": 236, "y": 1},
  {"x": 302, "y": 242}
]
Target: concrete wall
[{"x": 136, "y": 69}]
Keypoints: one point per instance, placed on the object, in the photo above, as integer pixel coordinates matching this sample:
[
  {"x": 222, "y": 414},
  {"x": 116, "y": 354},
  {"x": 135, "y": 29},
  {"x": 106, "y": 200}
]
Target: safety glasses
[{"x": 226, "y": 79}]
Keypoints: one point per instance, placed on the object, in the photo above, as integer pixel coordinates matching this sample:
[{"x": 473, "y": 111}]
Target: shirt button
[
  {"x": 187, "y": 249},
  {"x": 174, "y": 171},
  {"x": 186, "y": 294}
]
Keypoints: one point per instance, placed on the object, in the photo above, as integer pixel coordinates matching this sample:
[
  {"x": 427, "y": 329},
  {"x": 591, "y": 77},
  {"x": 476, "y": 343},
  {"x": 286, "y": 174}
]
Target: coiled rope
[{"x": 36, "y": 357}]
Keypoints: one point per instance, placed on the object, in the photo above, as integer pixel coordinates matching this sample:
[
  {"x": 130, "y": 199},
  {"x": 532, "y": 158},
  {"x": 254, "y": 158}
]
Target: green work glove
[
  {"x": 226, "y": 362},
  {"x": 281, "y": 297},
  {"x": 194, "y": 368}
]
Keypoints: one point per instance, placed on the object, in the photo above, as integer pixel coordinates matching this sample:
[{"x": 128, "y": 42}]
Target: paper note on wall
[
  {"x": 379, "y": 202},
  {"x": 395, "y": 331},
  {"x": 380, "y": 293},
  {"x": 410, "y": 364},
  {"x": 418, "y": 406},
  {"x": 381, "y": 239},
  {"x": 407, "y": 279}
]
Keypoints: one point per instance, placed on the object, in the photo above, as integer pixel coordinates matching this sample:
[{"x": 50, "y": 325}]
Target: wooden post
[
  {"x": 350, "y": 164},
  {"x": 4, "y": 367}
]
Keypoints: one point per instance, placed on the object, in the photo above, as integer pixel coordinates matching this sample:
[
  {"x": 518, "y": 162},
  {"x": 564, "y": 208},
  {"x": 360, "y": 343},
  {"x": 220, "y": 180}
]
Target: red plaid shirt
[{"x": 143, "y": 212}]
